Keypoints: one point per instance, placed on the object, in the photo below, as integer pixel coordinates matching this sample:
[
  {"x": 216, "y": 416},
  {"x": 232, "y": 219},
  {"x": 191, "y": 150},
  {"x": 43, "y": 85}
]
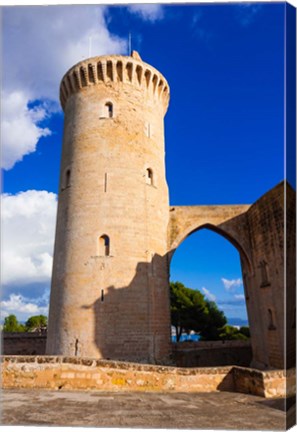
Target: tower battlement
[{"x": 115, "y": 69}]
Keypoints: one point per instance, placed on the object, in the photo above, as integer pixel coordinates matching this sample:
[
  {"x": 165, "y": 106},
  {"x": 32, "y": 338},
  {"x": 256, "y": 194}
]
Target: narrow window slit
[
  {"x": 271, "y": 320},
  {"x": 67, "y": 178},
  {"x": 109, "y": 110},
  {"x": 149, "y": 176},
  {"x": 105, "y": 182},
  {"x": 104, "y": 245},
  {"x": 76, "y": 348}
]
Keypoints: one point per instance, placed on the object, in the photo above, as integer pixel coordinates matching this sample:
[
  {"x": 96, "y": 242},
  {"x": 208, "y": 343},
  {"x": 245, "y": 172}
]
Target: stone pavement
[{"x": 218, "y": 410}]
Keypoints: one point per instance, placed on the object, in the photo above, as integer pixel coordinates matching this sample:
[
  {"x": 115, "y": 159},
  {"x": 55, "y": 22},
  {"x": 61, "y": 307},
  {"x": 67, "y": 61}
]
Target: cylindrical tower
[{"x": 109, "y": 295}]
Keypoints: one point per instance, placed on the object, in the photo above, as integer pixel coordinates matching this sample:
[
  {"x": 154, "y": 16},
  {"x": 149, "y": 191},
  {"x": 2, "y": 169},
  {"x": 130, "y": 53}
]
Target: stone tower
[{"x": 109, "y": 295}]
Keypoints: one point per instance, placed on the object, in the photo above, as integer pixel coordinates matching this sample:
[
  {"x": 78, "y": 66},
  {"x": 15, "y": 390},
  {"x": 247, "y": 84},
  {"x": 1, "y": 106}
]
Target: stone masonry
[{"x": 116, "y": 232}]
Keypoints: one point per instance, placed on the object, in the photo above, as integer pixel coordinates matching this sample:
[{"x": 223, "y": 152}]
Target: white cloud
[
  {"x": 20, "y": 130},
  {"x": 239, "y": 297},
  {"x": 208, "y": 294},
  {"x": 231, "y": 284},
  {"x": 40, "y": 44},
  {"x": 148, "y": 12},
  {"x": 28, "y": 226},
  {"x": 21, "y": 307},
  {"x": 53, "y": 39}
]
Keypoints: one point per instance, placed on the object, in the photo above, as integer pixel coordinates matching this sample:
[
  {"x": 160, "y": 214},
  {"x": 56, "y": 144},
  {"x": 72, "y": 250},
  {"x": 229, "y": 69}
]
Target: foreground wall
[
  {"x": 69, "y": 373},
  {"x": 212, "y": 353}
]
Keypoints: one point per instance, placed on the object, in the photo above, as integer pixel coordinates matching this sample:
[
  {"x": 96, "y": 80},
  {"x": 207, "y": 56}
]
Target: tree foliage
[
  {"x": 36, "y": 323},
  {"x": 232, "y": 333},
  {"x": 191, "y": 311},
  {"x": 215, "y": 321},
  {"x": 11, "y": 324}
]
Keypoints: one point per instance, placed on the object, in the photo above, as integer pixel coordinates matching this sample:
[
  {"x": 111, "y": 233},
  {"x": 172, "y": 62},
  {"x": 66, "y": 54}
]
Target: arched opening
[
  {"x": 104, "y": 245},
  {"x": 149, "y": 176},
  {"x": 109, "y": 110},
  {"x": 207, "y": 262}
]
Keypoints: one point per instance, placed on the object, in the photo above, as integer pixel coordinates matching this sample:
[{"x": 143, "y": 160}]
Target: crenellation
[
  {"x": 115, "y": 69},
  {"x": 76, "y": 80},
  {"x": 104, "y": 71},
  {"x": 119, "y": 68},
  {"x": 91, "y": 73},
  {"x": 139, "y": 74},
  {"x": 83, "y": 76},
  {"x": 109, "y": 74},
  {"x": 100, "y": 76},
  {"x": 154, "y": 82},
  {"x": 129, "y": 70}
]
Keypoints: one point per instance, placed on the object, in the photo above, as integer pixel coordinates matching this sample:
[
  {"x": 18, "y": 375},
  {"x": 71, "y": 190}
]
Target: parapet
[{"x": 115, "y": 69}]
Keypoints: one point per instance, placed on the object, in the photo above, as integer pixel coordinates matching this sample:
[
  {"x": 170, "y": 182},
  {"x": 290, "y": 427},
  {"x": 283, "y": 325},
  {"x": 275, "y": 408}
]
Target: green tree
[
  {"x": 191, "y": 311},
  {"x": 245, "y": 331},
  {"x": 215, "y": 321},
  {"x": 231, "y": 333},
  {"x": 36, "y": 323},
  {"x": 11, "y": 324}
]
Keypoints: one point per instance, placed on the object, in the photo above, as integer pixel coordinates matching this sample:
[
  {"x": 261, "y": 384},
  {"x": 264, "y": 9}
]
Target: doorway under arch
[{"x": 210, "y": 261}]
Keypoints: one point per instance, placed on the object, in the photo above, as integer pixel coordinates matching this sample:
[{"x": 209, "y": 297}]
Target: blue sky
[{"x": 224, "y": 128}]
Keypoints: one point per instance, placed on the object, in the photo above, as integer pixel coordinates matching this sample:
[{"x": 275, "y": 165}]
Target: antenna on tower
[{"x": 130, "y": 44}]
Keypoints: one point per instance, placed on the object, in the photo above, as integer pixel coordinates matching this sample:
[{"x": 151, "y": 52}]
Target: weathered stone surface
[
  {"x": 90, "y": 374},
  {"x": 217, "y": 410},
  {"x": 23, "y": 343}
]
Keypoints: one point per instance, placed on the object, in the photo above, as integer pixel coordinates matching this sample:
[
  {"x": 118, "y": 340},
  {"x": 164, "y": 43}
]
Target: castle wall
[
  {"x": 72, "y": 373},
  {"x": 23, "y": 343},
  {"x": 185, "y": 354},
  {"x": 212, "y": 353},
  {"x": 265, "y": 284}
]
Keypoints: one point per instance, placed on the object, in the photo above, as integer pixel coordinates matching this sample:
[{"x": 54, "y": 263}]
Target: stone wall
[
  {"x": 185, "y": 354},
  {"x": 212, "y": 353},
  {"x": 23, "y": 343},
  {"x": 71, "y": 373}
]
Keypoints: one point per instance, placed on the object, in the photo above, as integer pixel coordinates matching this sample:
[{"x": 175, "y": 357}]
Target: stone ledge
[{"x": 72, "y": 373}]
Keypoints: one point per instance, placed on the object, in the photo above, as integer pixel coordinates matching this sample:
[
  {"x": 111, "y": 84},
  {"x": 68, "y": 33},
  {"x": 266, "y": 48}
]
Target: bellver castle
[{"x": 116, "y": 232}]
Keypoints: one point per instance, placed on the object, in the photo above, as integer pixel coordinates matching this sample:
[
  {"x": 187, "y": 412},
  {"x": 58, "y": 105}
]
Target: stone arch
[
  {"x": 224, "y": 233},
  {"x": 228, "y": 221}
]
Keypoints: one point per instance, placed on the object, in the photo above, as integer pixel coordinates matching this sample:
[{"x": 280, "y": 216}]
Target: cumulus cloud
[
  {"x": 40, "y": 44},
  {"x": 231, "y": 285},
  {"x": 149, "y": 12},
  {"x": 22, "y": 307},
  {"x": 53, "y": 38},
  {"x": 28, "y": 226},
  {"x": 208, "y": 294},
  {"x": 20, "y": 127}
]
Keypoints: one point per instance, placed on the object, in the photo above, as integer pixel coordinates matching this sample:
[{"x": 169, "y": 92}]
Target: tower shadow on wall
[{"x": 131, "y": 322}]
